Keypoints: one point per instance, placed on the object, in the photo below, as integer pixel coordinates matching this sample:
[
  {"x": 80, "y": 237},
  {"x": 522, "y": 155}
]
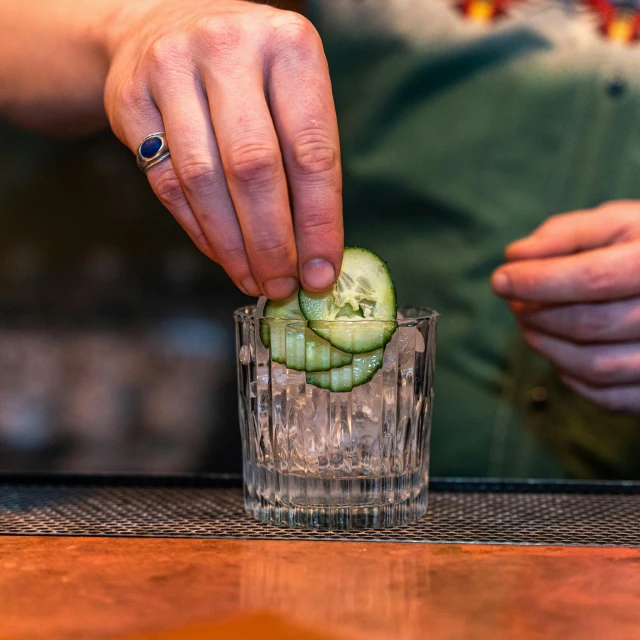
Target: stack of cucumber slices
[{"x": 337, "y": 337}]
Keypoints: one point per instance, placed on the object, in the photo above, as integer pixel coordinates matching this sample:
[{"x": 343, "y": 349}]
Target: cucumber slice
[
  {"x": 322, "y": 356},
  {"x": 292, "y": 343},
  {"x": 295, "y": 344},
  {"x": 288, "y": 309},
  {"x": 273, "y": 325},
  {"x": 360, "y": 371},
  {"x": 305, "y": 351},
  {"x": 363, "y": 292},
  {"x": 355, "y": 336}
]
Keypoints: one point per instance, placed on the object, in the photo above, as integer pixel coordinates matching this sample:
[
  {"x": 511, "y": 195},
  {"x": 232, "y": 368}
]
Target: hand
[
  {"x": 243, "y": 93},
  {"x": 574, "y": 286}
]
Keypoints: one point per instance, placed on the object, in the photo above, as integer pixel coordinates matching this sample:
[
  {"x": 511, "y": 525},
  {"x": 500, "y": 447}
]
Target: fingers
[
  {"x": 299, "y": 90},
  {"x": 254, "y": 171},
  {"x": 594, "y": 365},
  {"x": 584, "y": 323},
  {"x": 197, "y": 164},
  {"x": 134, "y": 115},
  {"x": 579, "y": 231},
  {"x": 246, "y": 104},
  {"x": 611, "y": 273},
  {"x": 625, "y": 398}
]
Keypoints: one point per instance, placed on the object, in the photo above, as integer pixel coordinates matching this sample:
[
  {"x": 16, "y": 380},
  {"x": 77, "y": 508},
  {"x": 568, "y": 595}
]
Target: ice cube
[
  {"x": 367, "y": 401},
  {"x": 245, "y": 355},
  {"x": 403, "y": 341}
]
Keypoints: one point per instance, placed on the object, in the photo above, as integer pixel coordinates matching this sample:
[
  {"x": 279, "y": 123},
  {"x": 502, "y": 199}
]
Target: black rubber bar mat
[{"x": 460, "y": 511}]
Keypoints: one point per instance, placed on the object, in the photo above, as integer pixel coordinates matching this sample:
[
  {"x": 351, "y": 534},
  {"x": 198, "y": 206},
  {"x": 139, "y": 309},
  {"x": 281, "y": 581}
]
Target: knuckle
[
  {"x": 254, "y": 163},
  {"x": 220, "y": 33},
  {"x": 624, "y": 213},
  {"x": 168, "y": 189},
  {"x": 274, "y": 250},
  {"x": 201, "y": 241},
  {"x": 315, "y": 153},
  {"x": 126, "y": 102},
  {"x": 233, "y": 255},
  {"x": 590, "y": 323},
  {"x": 234, "y": 262},
  {"x": 130, "y": 98},
  {"x": 293, "y": 31},
  {"x": 600, "y": 281},
  {"x": 319, "y": 223},
  {"x": 166, "y": 54},
  {"x": 601, "y": 369},
  {"x": 200, "y": 176}
]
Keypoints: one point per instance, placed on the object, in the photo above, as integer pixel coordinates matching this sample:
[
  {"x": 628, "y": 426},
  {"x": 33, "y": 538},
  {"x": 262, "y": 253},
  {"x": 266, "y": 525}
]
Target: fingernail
[
  {"x": 501, "y": 283},
  {"x": 250, "y": 286},
  {"x": 279, "y": 288},
  {"x": 318, "y": 273}
]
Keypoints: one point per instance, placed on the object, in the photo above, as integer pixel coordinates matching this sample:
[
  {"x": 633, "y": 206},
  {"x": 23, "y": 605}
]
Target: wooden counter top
[{"x": 90, "y": 589}]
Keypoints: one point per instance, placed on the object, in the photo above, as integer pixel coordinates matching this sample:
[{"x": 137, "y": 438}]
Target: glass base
[{"x": 315, "y": 502}]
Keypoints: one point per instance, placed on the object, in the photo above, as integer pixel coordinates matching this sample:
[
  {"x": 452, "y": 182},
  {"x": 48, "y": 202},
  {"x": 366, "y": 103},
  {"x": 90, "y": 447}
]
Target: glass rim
[{"x": 422, "y": 314}]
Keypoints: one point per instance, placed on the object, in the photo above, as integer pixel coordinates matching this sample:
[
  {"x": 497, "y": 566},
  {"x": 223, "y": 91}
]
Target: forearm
[
  {"x": 53, "y": 63},
  {"x": 54, "y": 58},
  {"x": 243, "y": 96}
]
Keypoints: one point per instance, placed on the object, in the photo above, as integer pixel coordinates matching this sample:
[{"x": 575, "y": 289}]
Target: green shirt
[{"x": 458, "y": 138}]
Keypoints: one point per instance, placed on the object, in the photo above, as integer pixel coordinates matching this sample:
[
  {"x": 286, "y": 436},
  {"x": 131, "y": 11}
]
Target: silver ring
[{"x": 152, "y": 149}]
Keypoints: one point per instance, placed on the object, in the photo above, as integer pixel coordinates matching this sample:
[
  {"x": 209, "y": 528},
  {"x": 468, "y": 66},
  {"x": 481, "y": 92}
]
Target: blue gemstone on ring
[{"x": 150, "y": 147}]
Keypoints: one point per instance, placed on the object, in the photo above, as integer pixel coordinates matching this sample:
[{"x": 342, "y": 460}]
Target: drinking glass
[{"x": 320, "y": 459}]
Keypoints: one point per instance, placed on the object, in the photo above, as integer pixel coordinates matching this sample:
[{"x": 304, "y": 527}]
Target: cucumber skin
[
  {"x": 304, "y": 351},
  {"x": 324, "y": 380},
  {"x": 317, "y": 351},
  {"x": 266, "y": 328},
  {"x": 355, "y": 343},
  {"x": 265, "y": 333}
]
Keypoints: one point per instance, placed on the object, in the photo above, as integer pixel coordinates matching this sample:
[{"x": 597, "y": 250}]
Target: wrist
[{"x": 120, "y": 16}]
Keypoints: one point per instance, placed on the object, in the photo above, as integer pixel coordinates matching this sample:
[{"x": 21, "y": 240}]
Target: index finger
[
  {"x": 301, "y": 100},
  {"x": 612, "y": 273},
  {"x": 569, "y": 233}
]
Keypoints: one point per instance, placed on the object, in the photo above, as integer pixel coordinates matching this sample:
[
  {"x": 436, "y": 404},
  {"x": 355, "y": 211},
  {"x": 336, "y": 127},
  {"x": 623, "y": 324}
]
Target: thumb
[{"x": 569, "y": 233}]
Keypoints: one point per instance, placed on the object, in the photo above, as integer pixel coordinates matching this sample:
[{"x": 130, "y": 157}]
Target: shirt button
[{"x": 539, "y": 398}]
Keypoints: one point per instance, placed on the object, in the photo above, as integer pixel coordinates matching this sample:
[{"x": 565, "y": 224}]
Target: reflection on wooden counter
[
  {"x": 252, "y": 626},
  {"x": 86, "y": 589}
]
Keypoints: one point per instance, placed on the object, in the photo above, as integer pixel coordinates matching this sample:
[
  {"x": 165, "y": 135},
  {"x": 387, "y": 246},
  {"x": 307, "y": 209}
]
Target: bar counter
[{"x": 132, "y": 588}]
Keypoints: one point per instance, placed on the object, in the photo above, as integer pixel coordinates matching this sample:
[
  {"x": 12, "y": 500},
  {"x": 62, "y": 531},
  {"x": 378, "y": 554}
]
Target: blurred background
[{"x": 116, "y": 334}]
